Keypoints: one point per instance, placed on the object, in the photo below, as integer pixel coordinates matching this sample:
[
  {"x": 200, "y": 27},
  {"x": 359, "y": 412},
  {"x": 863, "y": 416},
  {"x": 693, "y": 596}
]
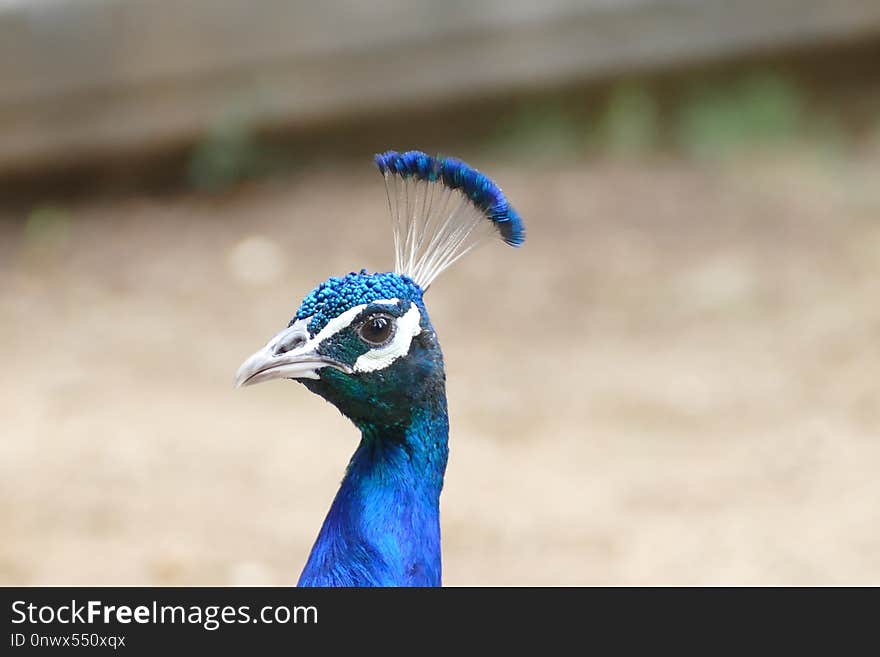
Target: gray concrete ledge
[{"x": 88, "y": 78}]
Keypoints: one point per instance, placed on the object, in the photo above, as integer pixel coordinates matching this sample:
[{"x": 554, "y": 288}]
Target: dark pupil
[{"x": 376, "y": 329}]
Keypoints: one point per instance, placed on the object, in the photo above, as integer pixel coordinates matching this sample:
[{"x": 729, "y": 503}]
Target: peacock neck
[{"x": 383, "y": 528}]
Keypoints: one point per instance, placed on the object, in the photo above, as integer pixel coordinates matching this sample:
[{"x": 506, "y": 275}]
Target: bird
[{"x": 365, "y": 343}]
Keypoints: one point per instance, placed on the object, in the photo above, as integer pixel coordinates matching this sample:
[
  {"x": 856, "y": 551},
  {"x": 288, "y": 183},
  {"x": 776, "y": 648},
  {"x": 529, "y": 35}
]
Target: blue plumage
[
  {"x": 364, "y": 342},
  {"x": 455, "y": 174},
  {"x": 383, "y": 528},
  {"x": 338, "y": 294}
]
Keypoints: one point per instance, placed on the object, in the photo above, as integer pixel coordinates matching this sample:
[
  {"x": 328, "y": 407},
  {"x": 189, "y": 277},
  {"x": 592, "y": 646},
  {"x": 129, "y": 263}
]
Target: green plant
[
  {"x": 719, "y": 120},
  {"x": 630, "y": 123}
]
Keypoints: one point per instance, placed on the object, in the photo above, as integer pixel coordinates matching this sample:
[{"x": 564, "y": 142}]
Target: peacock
[{"x": 364, "y": 342}]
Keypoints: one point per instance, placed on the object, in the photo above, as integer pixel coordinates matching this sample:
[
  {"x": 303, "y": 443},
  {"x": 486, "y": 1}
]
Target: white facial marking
[
  {"x": 341, "y": 322},
  {"x": 291, "y": 354},
  {"x": 407, "y": 327}
]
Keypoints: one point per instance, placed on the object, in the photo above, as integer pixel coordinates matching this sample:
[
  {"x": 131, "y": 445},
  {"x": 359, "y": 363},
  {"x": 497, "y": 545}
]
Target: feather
[{"x": 441, "y": 209}]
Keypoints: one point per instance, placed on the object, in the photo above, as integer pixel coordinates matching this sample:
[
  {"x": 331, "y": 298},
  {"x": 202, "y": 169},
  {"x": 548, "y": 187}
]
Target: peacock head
[{"x": 364, "y": 341}]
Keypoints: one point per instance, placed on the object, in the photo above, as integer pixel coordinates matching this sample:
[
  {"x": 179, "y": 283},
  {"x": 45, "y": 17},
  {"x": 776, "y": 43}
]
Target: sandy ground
[{"x": 677, "y": 380}]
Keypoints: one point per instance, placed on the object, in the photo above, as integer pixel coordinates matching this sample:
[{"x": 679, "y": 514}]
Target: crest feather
[{"x": 440, "y": 209}]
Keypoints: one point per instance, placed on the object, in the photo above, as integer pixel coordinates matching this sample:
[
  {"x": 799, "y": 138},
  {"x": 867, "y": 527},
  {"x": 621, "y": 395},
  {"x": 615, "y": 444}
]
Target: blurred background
[{"x": 700, "y": 180}]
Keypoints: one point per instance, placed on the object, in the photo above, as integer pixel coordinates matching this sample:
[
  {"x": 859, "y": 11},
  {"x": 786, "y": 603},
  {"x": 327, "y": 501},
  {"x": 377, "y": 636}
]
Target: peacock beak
[{"x": 288, "y": 355}]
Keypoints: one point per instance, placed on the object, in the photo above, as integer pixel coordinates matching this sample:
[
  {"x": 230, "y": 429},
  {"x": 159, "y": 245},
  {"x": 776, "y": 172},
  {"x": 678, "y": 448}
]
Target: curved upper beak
[{"x": 288, "y": 355}]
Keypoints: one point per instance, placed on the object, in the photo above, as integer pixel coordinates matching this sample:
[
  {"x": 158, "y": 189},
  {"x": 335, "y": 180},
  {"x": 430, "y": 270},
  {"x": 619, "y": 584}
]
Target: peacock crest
[{"x": 439, "y": 209}]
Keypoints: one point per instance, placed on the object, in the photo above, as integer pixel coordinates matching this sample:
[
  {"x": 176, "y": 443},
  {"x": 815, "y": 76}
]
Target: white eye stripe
[
  {"x": 343, "y": 321},
  {"x": 408, "y": 327}
]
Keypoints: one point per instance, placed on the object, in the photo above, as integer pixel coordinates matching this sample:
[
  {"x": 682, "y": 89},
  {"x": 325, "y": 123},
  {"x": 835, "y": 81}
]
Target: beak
[{"x": 288, "y": 355}]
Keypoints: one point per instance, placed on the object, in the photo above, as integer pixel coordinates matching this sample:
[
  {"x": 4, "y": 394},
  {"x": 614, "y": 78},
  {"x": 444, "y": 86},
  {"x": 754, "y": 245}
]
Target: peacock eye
[{"x": 377, "y": 329}]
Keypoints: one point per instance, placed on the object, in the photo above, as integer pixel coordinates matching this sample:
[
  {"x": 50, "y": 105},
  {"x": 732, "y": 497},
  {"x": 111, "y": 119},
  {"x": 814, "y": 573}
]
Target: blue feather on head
[
  {"x": 455, "y": 174},
  {"x": 339, "y": 294}
]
